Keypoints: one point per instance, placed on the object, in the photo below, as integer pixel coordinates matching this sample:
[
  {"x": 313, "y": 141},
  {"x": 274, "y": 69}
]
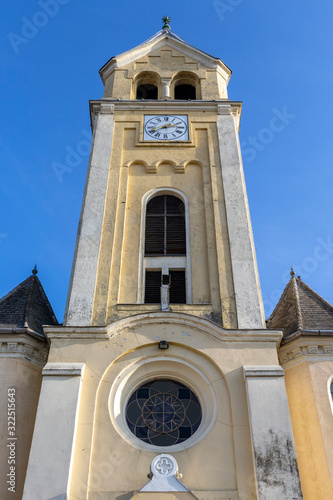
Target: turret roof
[
  {"x": 27, "y": 307},
  {"x": 301, "y": 308}
]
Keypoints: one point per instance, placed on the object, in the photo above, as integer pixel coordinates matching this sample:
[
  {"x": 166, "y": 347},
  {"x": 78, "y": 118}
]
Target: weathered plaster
[
  {"x": 274, "y": 453},
  {"x": 83, "y": 280}
]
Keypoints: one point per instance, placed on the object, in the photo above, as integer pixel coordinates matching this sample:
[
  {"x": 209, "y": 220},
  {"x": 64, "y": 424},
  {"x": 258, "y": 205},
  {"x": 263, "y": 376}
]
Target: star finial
[
  {"x": 292, "y": 272},
  {"x": 166, "y": 20},
  {"x": 34, "y": 271}
]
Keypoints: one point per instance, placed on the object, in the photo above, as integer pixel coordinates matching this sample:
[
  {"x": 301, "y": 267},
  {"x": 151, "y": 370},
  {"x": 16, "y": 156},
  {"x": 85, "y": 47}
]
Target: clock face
[{"x": 165, "y": 128}]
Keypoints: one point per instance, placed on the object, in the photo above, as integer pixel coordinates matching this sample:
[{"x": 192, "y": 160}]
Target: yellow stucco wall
[
  {"x": 221, "y": 461},
  {"x": 130, "y": 180},
  {"x": 25, "y": 378},
  {"x": 311, "y": 417},
  {"x": 166, "y": 62}
]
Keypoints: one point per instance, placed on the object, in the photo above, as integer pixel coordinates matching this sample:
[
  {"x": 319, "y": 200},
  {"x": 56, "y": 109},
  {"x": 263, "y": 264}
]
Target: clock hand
[{"x": 163, "y": 126}]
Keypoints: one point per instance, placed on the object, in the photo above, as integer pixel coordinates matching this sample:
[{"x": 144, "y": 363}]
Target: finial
[
  {"x": 34, "y": 271},
  {"x": 292, "y": 272},
  {"x": 166, "y": 20}
]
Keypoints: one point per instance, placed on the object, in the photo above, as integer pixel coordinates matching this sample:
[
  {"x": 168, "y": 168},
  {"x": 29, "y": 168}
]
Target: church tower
[{"x": 163, "y": 366}]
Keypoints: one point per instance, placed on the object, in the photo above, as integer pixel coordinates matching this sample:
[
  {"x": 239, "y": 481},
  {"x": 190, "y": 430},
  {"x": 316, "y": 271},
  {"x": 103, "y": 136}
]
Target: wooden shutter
[
  {"x": 153, "y": 287},
  {"x": 165, "y": 226},
  {"x": 178, "y": 287}
]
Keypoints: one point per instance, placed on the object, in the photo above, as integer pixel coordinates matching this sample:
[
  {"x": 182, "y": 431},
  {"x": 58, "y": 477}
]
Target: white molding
[
  {"x": 64, "y": 369},
  {"x": 24, "y": 347},
  {"x": 171, "y": 367},
  {"x": 306, "y": 349},
  {"x": 170, "y": 318},
  {"x": 263, "y": 371},
  {"x": 330, "y": 396}
]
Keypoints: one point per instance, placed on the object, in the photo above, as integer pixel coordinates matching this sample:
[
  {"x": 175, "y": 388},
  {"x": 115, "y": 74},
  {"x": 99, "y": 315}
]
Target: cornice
[
  {"x": 111, "y": 106},
  {"x": 23, "y": 347},
  {"x": 263, "y": 371},
  {"x": 64, "y": 370},
  {"x": 306, "y": 348},
  {"x": 224, "y": 106},
  {"x": 162, "y": 318}
]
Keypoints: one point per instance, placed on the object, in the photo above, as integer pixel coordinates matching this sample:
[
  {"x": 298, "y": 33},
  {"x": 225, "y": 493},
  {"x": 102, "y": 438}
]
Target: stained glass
[{"x": 163, "y": 412}]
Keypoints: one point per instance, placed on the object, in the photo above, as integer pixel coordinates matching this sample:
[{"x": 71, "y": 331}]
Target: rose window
[{"x": 163, "y": 412}]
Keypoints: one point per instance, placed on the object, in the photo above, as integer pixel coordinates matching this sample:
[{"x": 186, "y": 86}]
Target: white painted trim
[
  {"x": 171, "y": 318},
  {"x": 162, "y": 262},
  {"x": 64, "y": 369},
  {"x": 330, "y": 396},
  {"x": 263, "y": 371},
  {"x": 23, "y": 346}
]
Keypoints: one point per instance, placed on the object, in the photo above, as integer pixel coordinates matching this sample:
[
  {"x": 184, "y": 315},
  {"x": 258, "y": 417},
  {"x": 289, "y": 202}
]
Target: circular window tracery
[{"x": 163, "y": 412}]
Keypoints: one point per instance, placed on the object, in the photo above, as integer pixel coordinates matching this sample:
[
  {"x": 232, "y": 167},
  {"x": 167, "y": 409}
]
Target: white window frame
[
  {"x": 165, "y": 263},
  {"x": 330, "y": 395}
]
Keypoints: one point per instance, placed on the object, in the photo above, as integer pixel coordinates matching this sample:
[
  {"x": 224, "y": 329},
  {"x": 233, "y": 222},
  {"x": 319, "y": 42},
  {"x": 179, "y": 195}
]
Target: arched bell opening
[{"x": 147, "y": 85}]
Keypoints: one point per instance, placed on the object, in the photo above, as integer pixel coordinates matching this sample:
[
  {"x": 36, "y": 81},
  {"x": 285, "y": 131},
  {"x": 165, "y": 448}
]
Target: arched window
[
  {"x": 147, "y": 85},
  {"x": 165, "y": 226},
  {"x": 185, "y": 91},
  {"x": 166, "y": 263},
  {"x": 186, "y": 85}
]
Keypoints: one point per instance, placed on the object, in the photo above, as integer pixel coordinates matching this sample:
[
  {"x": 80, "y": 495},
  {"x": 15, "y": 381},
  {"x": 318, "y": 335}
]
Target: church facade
[{"x": 163, "y": 381}]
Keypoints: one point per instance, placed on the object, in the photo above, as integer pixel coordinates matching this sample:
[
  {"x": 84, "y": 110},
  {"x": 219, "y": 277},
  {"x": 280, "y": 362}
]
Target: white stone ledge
[
  {"x": 64, "y": 369},
  {"x": 230, "y": 107},
  {"x": 263, "y": 371}
]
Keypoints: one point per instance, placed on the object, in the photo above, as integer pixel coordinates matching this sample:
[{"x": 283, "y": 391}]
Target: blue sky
[{"x": 281, "y": 57}]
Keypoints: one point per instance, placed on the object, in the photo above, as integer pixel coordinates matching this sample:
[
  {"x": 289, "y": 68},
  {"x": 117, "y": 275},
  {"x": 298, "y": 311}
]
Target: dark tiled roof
[
  {"x": 301, "y": 308},
  {"x": 27, "y": 306}
]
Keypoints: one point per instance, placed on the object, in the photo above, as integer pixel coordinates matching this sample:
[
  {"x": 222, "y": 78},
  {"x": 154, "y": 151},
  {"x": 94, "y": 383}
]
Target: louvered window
[
  {"x": 165, "y": 226},
  {"x": 153, "y": 287},
  {"x": 178, "y": 287}
]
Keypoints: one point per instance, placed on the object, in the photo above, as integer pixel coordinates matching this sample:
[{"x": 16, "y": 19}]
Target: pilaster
[
  {"x": 50, "y": 462},
  {"x": 81, "y": 292},
  {"x": 273, "y": 448},
  {"x": 250, "y": 313}
]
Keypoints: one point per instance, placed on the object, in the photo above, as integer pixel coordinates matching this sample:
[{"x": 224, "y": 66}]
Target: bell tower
[
  {"x": 163, "y": 361},
  {"x": 165, "y": 133}
]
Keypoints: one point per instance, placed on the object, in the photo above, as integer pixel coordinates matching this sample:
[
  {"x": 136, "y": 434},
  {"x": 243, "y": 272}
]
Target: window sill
[{"x": 186, "y": 308}]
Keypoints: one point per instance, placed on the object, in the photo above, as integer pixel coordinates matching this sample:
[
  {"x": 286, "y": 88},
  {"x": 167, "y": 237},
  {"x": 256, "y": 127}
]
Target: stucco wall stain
[
  {"x": 277, "y": 468},
  {"x": 215, "y": 317}
]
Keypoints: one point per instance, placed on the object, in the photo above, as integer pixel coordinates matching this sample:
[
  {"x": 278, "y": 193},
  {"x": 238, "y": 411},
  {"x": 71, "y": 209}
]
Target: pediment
[{"x": 173, "y": 49}]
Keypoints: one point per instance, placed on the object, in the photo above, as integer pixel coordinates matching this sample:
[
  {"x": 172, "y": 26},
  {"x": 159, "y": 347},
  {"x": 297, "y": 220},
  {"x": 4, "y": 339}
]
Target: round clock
[{"x": 166, "y": 128}]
